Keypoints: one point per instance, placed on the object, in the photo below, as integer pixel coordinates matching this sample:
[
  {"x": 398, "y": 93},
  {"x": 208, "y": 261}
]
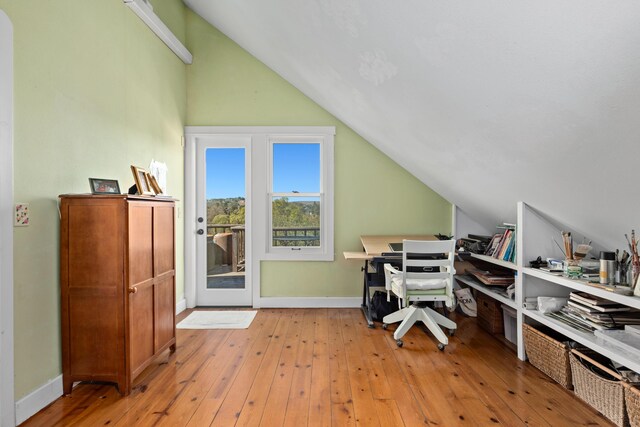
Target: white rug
[{"x": 218, "y": 320}]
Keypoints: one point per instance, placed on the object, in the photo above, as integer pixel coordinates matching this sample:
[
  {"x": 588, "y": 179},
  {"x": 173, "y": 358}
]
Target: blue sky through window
[{"x": 296, "y": 168}]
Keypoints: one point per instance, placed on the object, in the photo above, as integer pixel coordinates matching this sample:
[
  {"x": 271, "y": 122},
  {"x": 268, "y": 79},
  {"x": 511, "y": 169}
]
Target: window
[{"x": 300, "y": 197}]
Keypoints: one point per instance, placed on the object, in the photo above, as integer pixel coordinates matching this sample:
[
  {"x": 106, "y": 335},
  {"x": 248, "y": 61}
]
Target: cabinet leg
[{"x": 67, "y": 385}]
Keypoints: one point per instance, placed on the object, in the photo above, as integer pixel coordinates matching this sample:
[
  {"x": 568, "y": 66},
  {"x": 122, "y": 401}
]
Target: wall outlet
[{"x": 21, "y": 217}]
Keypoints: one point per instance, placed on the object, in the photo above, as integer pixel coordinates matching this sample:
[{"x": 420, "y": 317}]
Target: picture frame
[
  {"x": 104, "y": 186},
  {"x": 153, "y": 183},
  {"x": 140, "y": 177}
]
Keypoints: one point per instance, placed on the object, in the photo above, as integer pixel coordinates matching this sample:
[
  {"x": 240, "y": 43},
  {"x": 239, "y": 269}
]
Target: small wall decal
[{"x": 21, "y": 217}]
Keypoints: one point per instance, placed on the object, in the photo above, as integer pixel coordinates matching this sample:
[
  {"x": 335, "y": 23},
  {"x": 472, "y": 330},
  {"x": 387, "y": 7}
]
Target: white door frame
[
  {"x": 192, "y": 134},
  {"x": 222, "y": 296},
  {"x": 7, "y": 404}
]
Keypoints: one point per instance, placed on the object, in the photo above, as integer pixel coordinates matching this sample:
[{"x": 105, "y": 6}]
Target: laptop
[{"x": 395, "y": 247}]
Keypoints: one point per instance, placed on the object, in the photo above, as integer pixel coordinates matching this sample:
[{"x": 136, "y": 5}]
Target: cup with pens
[
  {"x": 572, "y": 267},
  {"x": 634, "y": 262}
]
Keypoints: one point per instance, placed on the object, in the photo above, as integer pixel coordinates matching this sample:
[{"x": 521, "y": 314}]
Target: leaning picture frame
[
  {"x": 104, "y": 186},
  {"x": 153, "y": 183},
  {"x": 140, "y": 177}
]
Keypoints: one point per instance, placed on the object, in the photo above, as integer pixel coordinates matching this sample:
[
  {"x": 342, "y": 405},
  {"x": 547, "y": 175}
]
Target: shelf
[
  {"x": 495, "y": 261},
  {"x": 606, "y": 348},
  {"x": 583, "y": 286},
  {"x": 475, "y": 284}
]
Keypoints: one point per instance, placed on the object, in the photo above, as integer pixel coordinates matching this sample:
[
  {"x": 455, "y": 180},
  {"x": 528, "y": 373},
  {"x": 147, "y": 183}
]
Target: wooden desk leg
[{"x": 366, "y": 298}]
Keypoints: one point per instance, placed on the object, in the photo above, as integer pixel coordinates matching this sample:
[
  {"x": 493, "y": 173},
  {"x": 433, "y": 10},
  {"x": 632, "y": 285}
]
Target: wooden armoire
[{"x": 117, "y": 277}]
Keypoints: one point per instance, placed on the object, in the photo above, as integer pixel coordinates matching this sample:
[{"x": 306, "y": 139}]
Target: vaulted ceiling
[{"x": 486, "y": 102}]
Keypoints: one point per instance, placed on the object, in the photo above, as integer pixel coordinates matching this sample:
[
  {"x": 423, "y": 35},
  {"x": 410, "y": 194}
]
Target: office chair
[{"x": 426, "y": 276}]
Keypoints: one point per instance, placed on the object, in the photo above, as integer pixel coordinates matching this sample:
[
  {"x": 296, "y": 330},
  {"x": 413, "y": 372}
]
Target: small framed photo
[
  {"x": 140, "y": 176},
  {"x": 104, "y": 186},
  {"x": 154, "y": 184}
]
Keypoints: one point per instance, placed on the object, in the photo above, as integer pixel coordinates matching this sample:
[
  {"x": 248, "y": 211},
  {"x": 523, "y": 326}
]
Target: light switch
[{"x": 21, "y": 216}]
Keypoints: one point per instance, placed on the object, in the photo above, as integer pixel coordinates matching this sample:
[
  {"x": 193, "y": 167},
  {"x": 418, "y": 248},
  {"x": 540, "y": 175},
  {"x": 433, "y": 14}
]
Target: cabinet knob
[{"x": 133, "y": 290}]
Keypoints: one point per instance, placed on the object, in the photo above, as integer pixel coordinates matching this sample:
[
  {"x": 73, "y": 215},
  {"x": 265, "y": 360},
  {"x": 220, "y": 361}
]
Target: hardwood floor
[{"x": 322, "y": 367}]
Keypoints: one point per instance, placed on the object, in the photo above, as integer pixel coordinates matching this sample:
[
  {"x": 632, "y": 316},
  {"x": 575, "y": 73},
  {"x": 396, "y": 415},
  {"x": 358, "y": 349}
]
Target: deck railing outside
[{"x": 282, "y": 236}]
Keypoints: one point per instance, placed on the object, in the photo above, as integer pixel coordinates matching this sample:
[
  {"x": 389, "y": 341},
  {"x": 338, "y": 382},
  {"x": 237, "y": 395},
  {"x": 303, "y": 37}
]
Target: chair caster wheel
[
  {"x": 441, "y": 347},
  {"x": 452, "y": 332},
  {"x": 385, "y": 326},
  {"x": 399, "y": 343}
]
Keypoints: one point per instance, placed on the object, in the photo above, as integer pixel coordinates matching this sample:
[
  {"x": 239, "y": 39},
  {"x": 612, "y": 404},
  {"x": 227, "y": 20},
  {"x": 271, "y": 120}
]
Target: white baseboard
[
  {"x": 181, "y": 306},
  {"x": 310, "y": 302},
  {"x": 38, "y": 399}
]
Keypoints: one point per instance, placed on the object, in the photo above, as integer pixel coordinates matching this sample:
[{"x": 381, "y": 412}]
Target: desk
[{"x": 375, "y": 246}]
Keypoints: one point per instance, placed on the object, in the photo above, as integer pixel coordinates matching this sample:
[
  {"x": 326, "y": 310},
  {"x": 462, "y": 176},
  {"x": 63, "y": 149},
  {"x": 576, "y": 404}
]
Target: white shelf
[
  {"x": 629, "y": 359},
  {"x": 495, "y": 261},
  {"x": 470, "y": 281},
  {"x": 582, "y": 286}
]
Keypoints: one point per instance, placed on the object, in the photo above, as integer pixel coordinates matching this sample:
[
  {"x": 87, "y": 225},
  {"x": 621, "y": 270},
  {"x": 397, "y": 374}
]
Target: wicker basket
[
  {"x": 605, "y": 395},
  {"x": 632, "y": 399},
  {"x": 489, "y": 314},
  {"x": 549, "y": 354}
]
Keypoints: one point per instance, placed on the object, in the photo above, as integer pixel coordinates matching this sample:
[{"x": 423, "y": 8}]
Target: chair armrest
[
  {"x": 389, "y": 272},
  {"x": 391, "y": 269}
]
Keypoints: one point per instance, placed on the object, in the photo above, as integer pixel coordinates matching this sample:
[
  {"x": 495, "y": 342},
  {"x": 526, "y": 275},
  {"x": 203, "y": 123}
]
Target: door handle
[
  {"x": 133, "y": 290},
  {"x": 200, "y": 232}
]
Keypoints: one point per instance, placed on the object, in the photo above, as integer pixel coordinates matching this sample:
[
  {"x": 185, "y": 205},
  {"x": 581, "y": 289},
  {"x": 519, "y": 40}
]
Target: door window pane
[{"x": 225, "y": 191}]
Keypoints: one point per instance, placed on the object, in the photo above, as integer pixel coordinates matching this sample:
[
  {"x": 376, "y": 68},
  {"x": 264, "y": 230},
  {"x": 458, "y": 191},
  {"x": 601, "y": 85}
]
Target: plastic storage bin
[{"x": 510, "y": 324}]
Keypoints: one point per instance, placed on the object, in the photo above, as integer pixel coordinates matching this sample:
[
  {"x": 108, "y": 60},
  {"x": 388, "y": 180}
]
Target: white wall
[{"x": 486, "y": 102}]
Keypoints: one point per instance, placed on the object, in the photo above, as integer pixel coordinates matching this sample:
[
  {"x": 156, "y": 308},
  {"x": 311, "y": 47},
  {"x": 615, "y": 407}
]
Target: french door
[{"x": 223, "y": 207}]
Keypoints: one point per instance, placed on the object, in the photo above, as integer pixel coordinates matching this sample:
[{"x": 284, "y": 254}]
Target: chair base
[{"x": 418, "y": 311}]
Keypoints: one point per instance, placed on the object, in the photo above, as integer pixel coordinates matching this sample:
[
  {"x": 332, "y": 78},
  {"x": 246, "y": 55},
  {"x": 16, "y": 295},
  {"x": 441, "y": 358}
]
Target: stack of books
[
  {"x": 503, "y": 245},
  {"x": 590, "y": 313},
  {"x": 492, "y": 278}
]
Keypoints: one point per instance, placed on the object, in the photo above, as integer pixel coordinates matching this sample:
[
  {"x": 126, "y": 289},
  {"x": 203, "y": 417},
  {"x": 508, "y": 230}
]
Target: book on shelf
[
  {"x": 503, "y": 245},
  {"x": 492, "y": 246},
  {"x": 492, "y": 278},
  {"x": 599, "y": 308},
  {"x": 591, "y": 300}
]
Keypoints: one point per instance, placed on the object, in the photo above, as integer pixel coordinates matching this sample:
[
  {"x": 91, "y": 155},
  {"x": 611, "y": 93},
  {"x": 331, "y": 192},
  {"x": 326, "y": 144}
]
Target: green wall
[
  {"x": 228, "y": 86},
  {"x": 95, "y": 91}
]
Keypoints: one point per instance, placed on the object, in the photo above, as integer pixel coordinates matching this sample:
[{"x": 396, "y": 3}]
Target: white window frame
[
  {"x": 259, "y": 189},
  {"x": 324, "y": 252}
]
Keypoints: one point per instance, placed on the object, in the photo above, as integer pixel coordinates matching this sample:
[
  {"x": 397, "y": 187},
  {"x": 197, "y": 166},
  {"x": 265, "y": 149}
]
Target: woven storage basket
[
  {"x": 489, "y": 314},
  {"x": 549, "y": 354},
  {"x": 606, "y": 396},
  {"x": 632, "y": 399}
]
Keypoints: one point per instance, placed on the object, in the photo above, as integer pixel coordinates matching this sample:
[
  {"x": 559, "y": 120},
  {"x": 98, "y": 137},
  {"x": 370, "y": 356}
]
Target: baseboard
[
  {"x": 38, "y": 399},
  {"x": 310, "y": 302},
  {"x": 181, "y": 306}
]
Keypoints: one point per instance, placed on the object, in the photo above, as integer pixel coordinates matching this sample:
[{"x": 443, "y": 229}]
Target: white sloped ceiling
[{"x": 486, "y": 102}]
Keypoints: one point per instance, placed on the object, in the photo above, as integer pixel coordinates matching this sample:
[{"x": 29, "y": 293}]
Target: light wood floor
[{"x": 324, "y": 367}]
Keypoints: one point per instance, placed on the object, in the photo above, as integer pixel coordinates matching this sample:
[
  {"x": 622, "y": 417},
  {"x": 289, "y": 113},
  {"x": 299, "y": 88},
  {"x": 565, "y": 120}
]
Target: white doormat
[{"x": 218, "y": 320}]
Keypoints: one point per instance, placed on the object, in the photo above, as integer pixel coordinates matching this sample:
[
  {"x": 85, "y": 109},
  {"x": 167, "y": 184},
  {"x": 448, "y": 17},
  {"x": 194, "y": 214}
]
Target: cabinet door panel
[
  {"x": 141, "y": 340},
  {"x": 165, "y": 308},
  {"x": 95, "y": 348},
  {"x": 92, "y": 264},
  {"x": 163, "y": 234},
  {"x": 140, "y": 243}
]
